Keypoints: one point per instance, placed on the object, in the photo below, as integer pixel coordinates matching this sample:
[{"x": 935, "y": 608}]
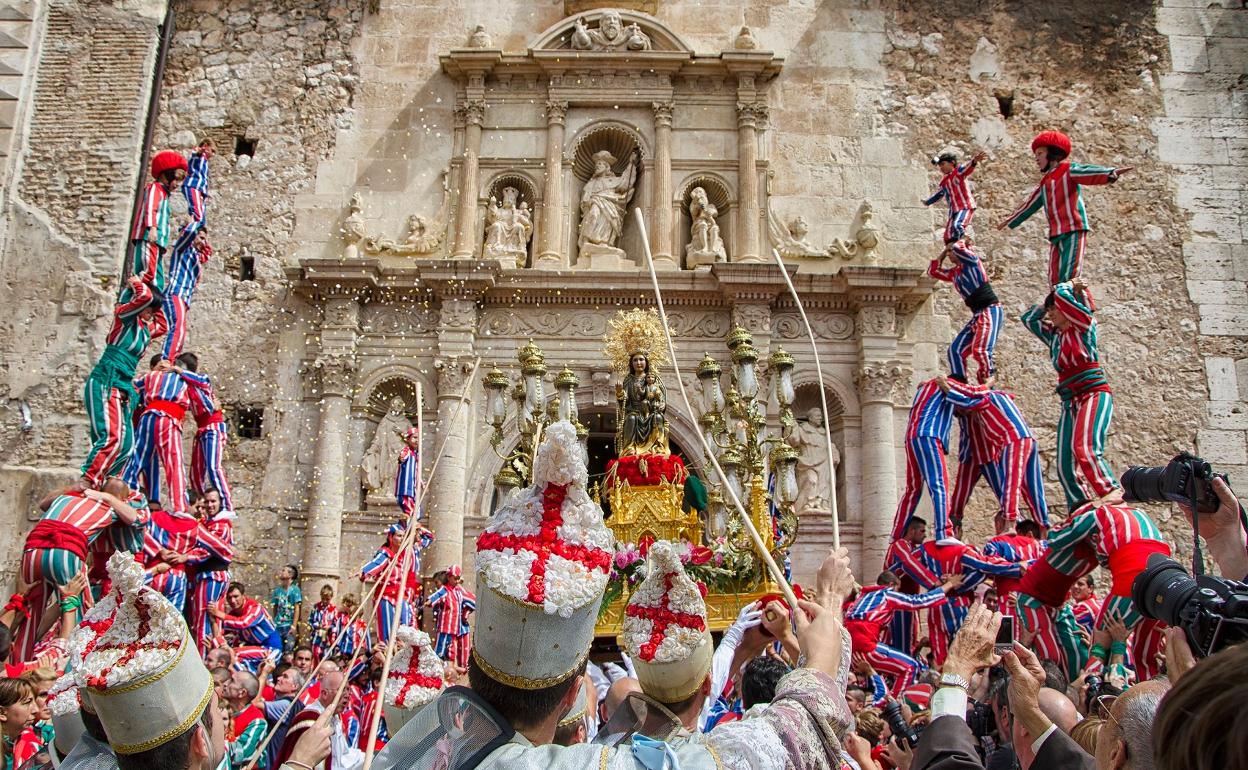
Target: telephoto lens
[{"x": 897, "y": 723}]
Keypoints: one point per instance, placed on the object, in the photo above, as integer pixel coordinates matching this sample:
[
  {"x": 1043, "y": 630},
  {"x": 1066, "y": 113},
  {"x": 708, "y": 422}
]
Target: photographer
[{"x": 1223, "y": 533}]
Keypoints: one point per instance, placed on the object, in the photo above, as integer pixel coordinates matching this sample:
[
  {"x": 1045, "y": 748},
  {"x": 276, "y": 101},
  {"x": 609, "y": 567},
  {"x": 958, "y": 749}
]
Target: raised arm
[
  {"x": 937, "y": 270},
  {"x": 1078, "y": 313},
  {"x": 940, "y": 193},
  {"x": 1031, "y": 205},
  {"x": 1033, "y": 320},
  {"x": 1084, "y": 173},
  {"x": 140, "y": 297},
  {"x": 901, "y": 601},
  {"x": 990, "y": 565}
]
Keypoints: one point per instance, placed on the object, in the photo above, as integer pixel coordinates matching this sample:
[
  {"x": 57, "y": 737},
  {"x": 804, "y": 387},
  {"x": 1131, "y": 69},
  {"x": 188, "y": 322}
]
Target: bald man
[
  {"x": 1058, "y": 709},
  {"x": 617, "y": 692}
]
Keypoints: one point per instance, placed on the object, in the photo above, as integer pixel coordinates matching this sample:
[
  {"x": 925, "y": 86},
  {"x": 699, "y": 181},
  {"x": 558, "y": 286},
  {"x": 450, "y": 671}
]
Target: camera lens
[
  {"x": 1163, "y": 589},
  {"x": 1142, "y": 484}
]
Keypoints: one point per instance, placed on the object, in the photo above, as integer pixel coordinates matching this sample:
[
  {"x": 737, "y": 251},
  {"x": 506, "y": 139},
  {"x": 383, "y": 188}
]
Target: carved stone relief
[
  {"x": 398, "y": 318},
  {"x": 756, "y": 319},
  {"x": 422, "y": 237},
  {"x": 836, "y": 326},
  {"x": 881, "y": 381},
  {"x": 453, "y": 375},
  {"x": 508, "y": 226},
  {"x": 458, "y": 315},
  {"x": 877, "y": 320},
  {"x": 609, "y": 35}
]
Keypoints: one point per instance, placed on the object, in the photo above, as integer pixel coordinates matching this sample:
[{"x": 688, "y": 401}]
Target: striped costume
[
  {"x": 1086, "y": 612},
  {"x": 253, "y": 625},
  {"x": 927, "y": 436},
  {"x": 1058, "y": 194},
  {"x": 247, "y": 731},
  {"x": 210, "y": 563},
  {"x": 56, "y": 550},
  {"x": 184, "y": 269},
  {"x": 389, "y": 595},
  {"x": 149, "y": 235},
  {"x": 901, "y": 561},
  {"x": 355, "y": 636},
  {"x": 959, "y": 559},
  {"x": 1087, "y": 402},
  {"x": 324, "y": 620},
  {"x": 451, "y": 606},
  {"x": 867, "y": 617},
  {"x": 1119, "y": 537},
  {"x": 109, "y": 394},
  {"x": 177, "y": 532},
  {"x": 195, "y": 190},
  {"x": 115, "y": 537},
  {"x": 1002, "y": 445},
  {"x": 406, "y": 481},
  {"x": 158, "y": 437},
  {"x": 970, "y": 471},
  {"x": 208, "y": 450},
  {"x": 955, "y": 188},
  {"x": 978, "y": 339}
]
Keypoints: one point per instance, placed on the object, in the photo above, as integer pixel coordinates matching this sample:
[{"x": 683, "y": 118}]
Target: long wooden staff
[{"x": 776, "y": 573}]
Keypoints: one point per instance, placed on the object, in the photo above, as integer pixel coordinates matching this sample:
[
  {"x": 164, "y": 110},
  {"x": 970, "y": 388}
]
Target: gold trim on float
[{"x": 512, "y": 680}]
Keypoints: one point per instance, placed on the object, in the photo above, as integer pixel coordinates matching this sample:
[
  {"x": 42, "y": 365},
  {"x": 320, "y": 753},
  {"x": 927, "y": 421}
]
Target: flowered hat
[
  {"x": 665, "y": 629},
  {"x": 66, "y": 708},
  {"x": 415, "y": 677},
  {"x": 542, "y": 566},
  {"x": 140, "y": 670}
]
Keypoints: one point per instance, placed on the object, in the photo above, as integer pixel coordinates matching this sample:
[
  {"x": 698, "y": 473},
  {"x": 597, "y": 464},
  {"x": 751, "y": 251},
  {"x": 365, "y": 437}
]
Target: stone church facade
[{"x": 397, "y": 208}]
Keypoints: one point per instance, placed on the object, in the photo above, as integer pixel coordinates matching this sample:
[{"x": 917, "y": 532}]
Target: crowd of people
[{"x": 128, "y": 644}]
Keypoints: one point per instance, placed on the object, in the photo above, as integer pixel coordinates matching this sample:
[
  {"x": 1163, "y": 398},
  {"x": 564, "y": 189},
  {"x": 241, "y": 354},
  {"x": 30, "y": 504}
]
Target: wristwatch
[{"x": 955, "y": 680}]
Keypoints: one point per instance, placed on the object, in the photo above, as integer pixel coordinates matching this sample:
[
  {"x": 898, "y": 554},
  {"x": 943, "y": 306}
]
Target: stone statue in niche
[
  {"x": 705, "y": 245},
  {"x": 479, "y": 38},
  {"x": 422, "y": 237},
  {"x": 611, "y": 35},
  {"x": 812, "y": 462},
  {"x": 353, "y": 227},
  {"x": 507, "y": 228},
  {"x": 603, "y": 203},
  {"x": 377, "y": 465}
]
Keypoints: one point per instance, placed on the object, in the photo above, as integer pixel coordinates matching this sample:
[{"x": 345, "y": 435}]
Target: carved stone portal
[{"x": 507, "y": 229}]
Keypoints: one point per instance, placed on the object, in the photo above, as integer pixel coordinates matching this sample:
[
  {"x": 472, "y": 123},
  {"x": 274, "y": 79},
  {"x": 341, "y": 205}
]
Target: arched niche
[
  {"x": 662, "y": 38},
  {"x": 622, "y": 141},
  {"x": 720, "y": 194},
  {"x": 373, "y": 444},
  {"x": 528, "y": 193}
]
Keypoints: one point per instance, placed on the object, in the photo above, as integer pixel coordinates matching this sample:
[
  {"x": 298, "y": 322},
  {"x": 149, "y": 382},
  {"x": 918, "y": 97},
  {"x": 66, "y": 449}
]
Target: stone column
[
  {"x": 661, "y": 238},
  {"x": 876, "y": 383},
  {"x": 749, "y": 115},
  {"x": 466, "y": 216},
  {"x": 448, "y": 487},
  {"x": 551, "y": 256},
  {"x": 335, "y": 370}
]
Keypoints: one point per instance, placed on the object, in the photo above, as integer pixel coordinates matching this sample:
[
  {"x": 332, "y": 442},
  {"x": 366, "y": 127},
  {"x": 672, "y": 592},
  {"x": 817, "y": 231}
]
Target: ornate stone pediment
[{"x": 610, "y": 30}]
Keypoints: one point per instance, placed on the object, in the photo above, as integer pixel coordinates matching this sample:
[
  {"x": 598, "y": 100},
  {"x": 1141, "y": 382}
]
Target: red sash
[
  {"x": 174, "y": 525},
  {"x": 50, "y": 533},
  {"x": 1129, "y": 560},
  {"x": 864, "y": 634},
  {"x": 168, "y": 408},
  {"x": 215, "y": 418}
]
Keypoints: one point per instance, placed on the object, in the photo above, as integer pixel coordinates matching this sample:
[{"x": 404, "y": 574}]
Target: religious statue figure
[
  {"x": 641, "y": 410},
  {"x": 507, "y": 228},
  {"x": 705, "y": 245},
  {"x": 377, "y": 465},
  {"x": 479, "y": 38},
  {"x": 611, "y": 35},
  {"x": 603, "y": 203},
  {"x": 809, "y": 440},
  {"x": 422, "y": 237},
  {"x": 790, "y": 240},
  {"x": 353, "y": 227}
]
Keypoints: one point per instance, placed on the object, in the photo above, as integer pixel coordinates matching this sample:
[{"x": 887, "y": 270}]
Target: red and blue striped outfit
[
  {"x": 902, "y": 561},
  {"x": 324, "y": 620},
  {"x": 1001, "y": 442},
  {"x": 158, "y": 436},
  {"x": 195, "y": 190},
  {"x": 970, "y": 470},
  {"x": 1058, "y": 194},
  {"x": 55, "y": 550},
  {"x": 406, "y": 480},
  {"x": 866, "y": 618},
  {"x": 177, "y": 532},
  {"x": 955, "y": 187},
  {"x": 355, "y": 636},
  {"x": 1086, "y": 612},
  {"x": 109, "y": 394},
  {"x": 115, "y": 537},
  {"x": 208, "y": 449},
  {"x": 451, "y": 605},
  {"x": 1119, "y": 537},
  {"x": 210, "y": 561},
  {"x": 959, "y": 559},
  {"x": 978, "y": 338},
  {"x": 389, "y": 595},
  {"x": 1087, "y": 401},
  {"x": 185, "y": 265},
  {"x": 253, "y": 626},
  {"x": 1017, "y": 549},
  {"x": 927, "y": 436},
  {"x": 149, "y": 234}
]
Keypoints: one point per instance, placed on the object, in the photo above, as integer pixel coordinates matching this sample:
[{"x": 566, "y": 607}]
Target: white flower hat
[
  {"x": 140, "y": 669},
  {"x": 542, "y": 565},
  {"x": 415, "y": 677},
  {"x": 665, "y": 631}
]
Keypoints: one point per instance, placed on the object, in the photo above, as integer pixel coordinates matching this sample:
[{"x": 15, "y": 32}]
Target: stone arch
[
  {"x": 529, "y": 189},
  {"x": 620, "y": 139},
  {"x": 845, "y": 396},
  {"x": 376, "y": 388},
  {"x": 662, "y": 38},
  {"x": 720, "y": 193}
]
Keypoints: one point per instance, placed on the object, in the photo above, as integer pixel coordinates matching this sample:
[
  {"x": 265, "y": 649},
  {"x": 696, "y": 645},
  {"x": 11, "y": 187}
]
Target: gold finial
[
  {"x": 781, "y": 359},
  {"x": 532, "y": 359},
  {"x": 745, "y": 351},
  {"x": 738, "y": 336},
  {"x": 495, "y": 378},
  {"x": 567, "y": 379},
  {"x": 708, "y": 367}
]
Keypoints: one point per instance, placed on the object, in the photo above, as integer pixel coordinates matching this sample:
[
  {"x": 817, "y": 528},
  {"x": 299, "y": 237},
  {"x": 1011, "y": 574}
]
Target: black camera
[
  {"x": 1212, "y": 611},
  {"x": 1185, "y": 479},
  {"x": 897, "y": 723}
]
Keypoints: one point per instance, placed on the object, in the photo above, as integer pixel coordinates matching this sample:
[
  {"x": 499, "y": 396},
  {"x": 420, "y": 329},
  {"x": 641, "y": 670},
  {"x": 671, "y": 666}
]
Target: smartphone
[{"x": 1005, "y": 636}]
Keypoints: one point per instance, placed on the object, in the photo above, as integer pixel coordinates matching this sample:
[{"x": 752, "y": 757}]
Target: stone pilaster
[
  {"x": 334, "y": 373},
  {"x": 448, "y": 486},
  {"x": 473, "y": 112},
  {"x": 551, "y": 255},
  {"x": 877, "y": 383},
  {"x": 749, "y": 116},
  {"x": 661, "y": 238}
]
